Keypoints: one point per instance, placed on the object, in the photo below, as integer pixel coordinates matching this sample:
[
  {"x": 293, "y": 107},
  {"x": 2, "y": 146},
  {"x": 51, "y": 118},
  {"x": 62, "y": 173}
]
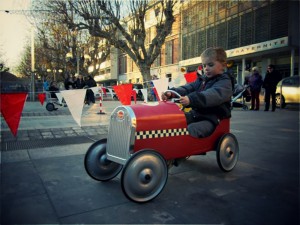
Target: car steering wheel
[{"x": 176, "y": 100}]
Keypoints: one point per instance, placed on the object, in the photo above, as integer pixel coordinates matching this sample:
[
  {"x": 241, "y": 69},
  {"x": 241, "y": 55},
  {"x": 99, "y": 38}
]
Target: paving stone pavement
[
  {"x": 47, "y": 184},
  {"x": 39, "y": 124}
]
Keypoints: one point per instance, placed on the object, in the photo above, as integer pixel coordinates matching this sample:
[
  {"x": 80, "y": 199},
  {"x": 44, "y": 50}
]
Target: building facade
[{"x": 253, "y": 33}]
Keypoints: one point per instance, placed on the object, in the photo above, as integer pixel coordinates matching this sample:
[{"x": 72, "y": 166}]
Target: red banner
[
  {"x": 124, "y": 92},
  {"x": 11, "y": 109},
  {"x": 42, "y": 97},
  {"x": 190, "y": 77}
]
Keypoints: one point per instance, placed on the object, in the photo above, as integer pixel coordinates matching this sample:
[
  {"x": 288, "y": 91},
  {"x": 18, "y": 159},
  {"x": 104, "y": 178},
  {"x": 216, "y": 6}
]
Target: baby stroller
[
  {"x": 53, "y": 101},
  {"x": 241, "y": 95}
]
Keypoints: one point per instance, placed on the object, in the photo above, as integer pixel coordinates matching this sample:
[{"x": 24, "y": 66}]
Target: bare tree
[
  {"x": 107, "y": 19},
  {"x": 55, "y": 41}
]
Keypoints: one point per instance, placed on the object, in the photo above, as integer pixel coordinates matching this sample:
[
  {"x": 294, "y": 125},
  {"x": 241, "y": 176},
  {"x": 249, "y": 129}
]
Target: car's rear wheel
[
  {"x": 144, "y": 176},
  {"x": 278, "y": 101},
  {"x": 97, "y": 165},
  {"x": 227, "y": 152}
]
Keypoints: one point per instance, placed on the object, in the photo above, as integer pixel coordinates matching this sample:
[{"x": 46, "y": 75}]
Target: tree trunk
[{"x": 145, "y": 71}]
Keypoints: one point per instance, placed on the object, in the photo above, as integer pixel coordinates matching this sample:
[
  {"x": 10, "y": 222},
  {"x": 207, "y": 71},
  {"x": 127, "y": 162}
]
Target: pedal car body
[{"x": 145, "y": 139}]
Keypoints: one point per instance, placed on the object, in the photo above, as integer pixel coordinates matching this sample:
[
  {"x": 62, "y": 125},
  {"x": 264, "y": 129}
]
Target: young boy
[{"x": 209, "y": 96}]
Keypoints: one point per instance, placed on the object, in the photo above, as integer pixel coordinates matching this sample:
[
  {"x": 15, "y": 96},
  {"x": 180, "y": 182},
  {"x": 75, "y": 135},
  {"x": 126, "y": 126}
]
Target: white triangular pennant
[
  {"x": 95, "y": 90},
  {"x": 59, "y": 97},
  {"x": 145, "y": 94},
  {"x": 75, "y": 102},
  {"x": 161, "y": 85},
  {"x": 111, "y": 92}
]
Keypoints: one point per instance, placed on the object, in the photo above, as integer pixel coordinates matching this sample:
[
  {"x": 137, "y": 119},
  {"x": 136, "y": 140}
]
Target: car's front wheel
[
  {"x": 97, "y": 165},
  {"x": 144, "y": 176}
]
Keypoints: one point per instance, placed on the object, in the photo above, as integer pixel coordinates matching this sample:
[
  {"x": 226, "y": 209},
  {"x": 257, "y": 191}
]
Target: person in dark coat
[
  {"x": 255, "y": 82},
  {"x": 80, "y": 83},
  {"x": 270, "y": 82},
  {"x": 209, "y": 96},
  {"x": 90, "y": 97},
  {"x": 69, "y": 82},
  {"x": 53, "y": 89}
]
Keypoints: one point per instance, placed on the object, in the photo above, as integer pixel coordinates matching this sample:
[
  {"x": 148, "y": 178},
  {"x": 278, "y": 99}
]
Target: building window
[
  {"x": 169, "y": 52},
  {"x": 233, "y": 33},
  {"x": 211, "y": 8},
  {"x": 262, "y": 24},
  {"x": 172, "y": 51},
  {"x": 211, "y": 37},
  {"x": 175, "y": 50},
  {"x": 169, "y": 76},
  {"x": 129, "y": 65},
  {"x": 222, "y": 35},
  {"x": 279, "y": 20},
  {"x": 222, "y": 4},
  {"x": 148, "y": 36},
  {"x": 246, "y": 29},
  {"x": 201, "y": 41}
]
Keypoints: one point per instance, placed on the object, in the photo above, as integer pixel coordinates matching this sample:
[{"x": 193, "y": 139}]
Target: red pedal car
[{"x": 145, "y": 140}]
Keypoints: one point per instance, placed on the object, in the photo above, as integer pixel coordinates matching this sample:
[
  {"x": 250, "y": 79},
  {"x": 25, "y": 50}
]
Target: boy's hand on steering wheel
[
  {"x": 166, "y": 95},
  {"x": 184, "y": 100}
]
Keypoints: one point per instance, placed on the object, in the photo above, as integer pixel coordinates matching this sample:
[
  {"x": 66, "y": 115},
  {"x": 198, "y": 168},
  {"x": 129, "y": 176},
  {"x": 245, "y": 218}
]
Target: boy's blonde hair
[{"x": 215, "y": 53}]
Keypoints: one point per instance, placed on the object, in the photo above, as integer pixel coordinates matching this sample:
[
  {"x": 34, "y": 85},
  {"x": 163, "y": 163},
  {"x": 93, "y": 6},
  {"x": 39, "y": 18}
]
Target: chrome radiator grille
[{"x": 120, "y": 134}]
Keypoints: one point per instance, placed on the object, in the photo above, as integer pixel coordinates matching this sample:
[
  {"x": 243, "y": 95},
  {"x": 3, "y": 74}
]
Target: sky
[{"x": 15, "y": 31}]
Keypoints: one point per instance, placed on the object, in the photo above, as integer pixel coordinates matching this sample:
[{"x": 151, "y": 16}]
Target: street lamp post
[{"x": 32, "y": 96}]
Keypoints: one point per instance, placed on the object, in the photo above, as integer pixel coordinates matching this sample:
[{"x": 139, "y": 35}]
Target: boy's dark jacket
[{"x": 209, "y": 97}]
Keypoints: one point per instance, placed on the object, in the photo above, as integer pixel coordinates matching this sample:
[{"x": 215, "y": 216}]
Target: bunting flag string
[
  {"x": 145, "y": 94},
  {"x": 110, "y": 92},
  {"x": 59, "y": 97},
  {"x": 124, "y": 92},
  {"x": 95, "y": 90},
  {"x": 161, "y": 85},
  {"x": 11, "y": 107},
  {"x": 75, "y": 101},
  {"x": 133, "y": 94},
  {"x": 42, "y": 97},
  {"x": 190, "y": 77},
  {"x": 104, "y": 91}
]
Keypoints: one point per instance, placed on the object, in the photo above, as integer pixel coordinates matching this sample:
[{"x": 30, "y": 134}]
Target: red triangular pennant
[
  {"x": 190, "y": 77},
  {"x": 42, "y": 97},
  {"x": 11, "y": 109},
  {"x": 133, "y": 94},
  {"x": 123, "y": 92},
  {"x": 104, "y": 91}
]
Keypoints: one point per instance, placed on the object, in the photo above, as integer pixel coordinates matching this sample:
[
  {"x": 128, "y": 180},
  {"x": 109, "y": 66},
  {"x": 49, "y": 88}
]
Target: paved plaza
[{"x": 43, "y": 180}]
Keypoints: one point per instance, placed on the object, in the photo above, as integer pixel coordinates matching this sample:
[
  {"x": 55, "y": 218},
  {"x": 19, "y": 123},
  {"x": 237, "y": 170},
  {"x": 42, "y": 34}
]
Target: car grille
[{"x": 121, "y": 132}]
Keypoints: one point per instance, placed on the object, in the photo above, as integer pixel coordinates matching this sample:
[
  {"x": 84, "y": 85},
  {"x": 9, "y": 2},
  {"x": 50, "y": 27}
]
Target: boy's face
[{"x": 212, "y": 67}]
